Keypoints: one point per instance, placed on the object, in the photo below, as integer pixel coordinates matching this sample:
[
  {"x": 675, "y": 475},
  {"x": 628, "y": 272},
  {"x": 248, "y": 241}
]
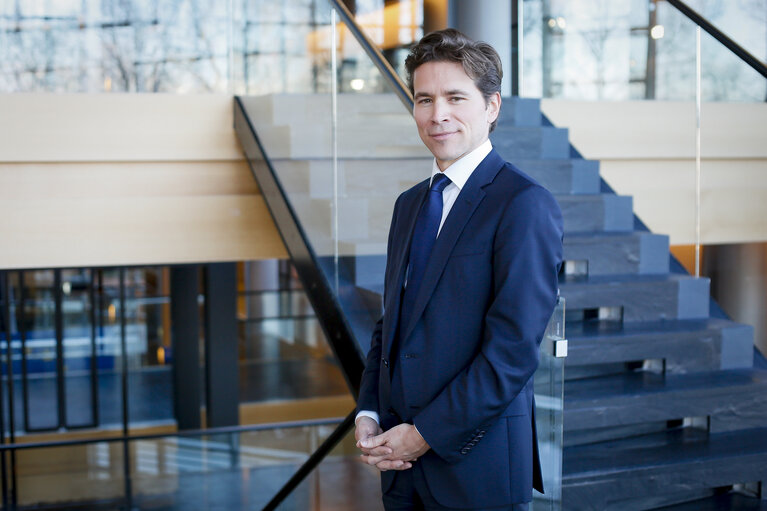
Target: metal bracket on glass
[
  {"x": 560, "y": 348},
  {"x": 554, "y": 342}
]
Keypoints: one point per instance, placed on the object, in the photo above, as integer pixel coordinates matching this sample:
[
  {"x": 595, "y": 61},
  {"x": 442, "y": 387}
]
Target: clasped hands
[{"x": 395, "y": 449}]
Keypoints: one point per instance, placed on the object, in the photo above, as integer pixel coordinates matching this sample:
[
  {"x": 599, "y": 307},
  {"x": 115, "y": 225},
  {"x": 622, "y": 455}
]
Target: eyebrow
[{"x": 454, "y": 92}]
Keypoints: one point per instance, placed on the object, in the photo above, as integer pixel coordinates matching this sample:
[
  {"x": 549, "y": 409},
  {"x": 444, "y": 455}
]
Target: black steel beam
[
  {"x": 221, "y": 367},
  {"x": 185, "y": 339}
]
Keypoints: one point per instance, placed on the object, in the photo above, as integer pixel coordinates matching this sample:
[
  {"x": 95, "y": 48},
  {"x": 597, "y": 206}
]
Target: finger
[
  {"x": 393, "y": 465},
  {"x": 376, "y": 451},
  {"x": 380, "y": 451},
  {"x": 372, "y": 460}
]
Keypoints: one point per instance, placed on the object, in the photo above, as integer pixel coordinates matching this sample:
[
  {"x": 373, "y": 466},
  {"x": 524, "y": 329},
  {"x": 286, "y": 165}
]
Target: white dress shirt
[{"x": 459, "y": 172}]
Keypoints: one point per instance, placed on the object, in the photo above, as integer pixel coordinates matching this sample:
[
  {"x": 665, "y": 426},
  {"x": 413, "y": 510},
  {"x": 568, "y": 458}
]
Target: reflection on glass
[
  {"x": 227, "y": 471},
  {"x": 40, "y": 354},
  {"x": 114, "y": 46},
  {"x": 549, "y": 406},
  {"x": 283, "y": 351},
  {"x": 633, "y": 49},
  {"x": 340, "y": 482},
  {"x": 84, "y": 473}
]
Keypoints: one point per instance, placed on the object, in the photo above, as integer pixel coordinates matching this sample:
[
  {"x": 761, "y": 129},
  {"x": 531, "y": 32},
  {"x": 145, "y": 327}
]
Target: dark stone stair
[
  {"x": 596, "y": 213},
  {"x": 640, "y": 253},
  {"x": 727, "y": 400},
  {"x": 528, "y": 142},
  {"x": 685, "y": 346},
  {"x": 563, "y": 176},
  {"x": 640, "y": 298},
  {"x": 649, "y": 471}
]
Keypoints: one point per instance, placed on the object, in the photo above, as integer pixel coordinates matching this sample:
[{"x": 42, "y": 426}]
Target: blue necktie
[{"x": 424, "y": 236}]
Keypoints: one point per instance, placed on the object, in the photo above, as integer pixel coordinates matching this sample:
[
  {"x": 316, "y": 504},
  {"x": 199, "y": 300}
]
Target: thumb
[{"x": 373, "y": 441}]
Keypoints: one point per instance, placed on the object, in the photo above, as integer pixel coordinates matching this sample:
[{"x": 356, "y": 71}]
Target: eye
[
  {"x": 456, "y": 99},
  {"x": 424, "y": 101}
]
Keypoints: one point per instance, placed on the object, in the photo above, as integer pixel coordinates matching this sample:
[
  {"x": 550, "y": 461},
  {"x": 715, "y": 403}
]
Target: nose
[{"x": 440, "y": 111}]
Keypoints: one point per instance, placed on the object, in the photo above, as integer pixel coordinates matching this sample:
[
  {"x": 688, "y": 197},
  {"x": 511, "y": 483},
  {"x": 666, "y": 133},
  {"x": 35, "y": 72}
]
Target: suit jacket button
[{"x": 385, "y": 363}]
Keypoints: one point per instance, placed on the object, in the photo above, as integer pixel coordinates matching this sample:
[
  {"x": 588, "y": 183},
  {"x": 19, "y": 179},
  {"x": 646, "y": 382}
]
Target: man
[{"x": 446, "y": 400}]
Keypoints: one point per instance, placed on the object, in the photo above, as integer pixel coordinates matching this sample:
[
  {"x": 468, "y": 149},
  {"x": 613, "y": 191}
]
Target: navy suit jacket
[{"x": 470, "y": 348}]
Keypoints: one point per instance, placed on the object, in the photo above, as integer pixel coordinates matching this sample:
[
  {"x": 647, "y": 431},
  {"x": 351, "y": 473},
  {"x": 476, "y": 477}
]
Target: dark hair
[{"x": 480, "y": 61}]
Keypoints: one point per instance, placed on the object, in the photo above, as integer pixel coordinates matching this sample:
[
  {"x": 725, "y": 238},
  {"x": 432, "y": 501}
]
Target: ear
[{"x": 493, "y": 107}]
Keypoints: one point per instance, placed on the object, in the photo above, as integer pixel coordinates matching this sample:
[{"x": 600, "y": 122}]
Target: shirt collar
[{"x": 460, "y": 171}]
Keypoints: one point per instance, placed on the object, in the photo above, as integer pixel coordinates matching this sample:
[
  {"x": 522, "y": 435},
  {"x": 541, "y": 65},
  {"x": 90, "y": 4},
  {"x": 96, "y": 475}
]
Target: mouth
[{"x": 443, "y": 135}]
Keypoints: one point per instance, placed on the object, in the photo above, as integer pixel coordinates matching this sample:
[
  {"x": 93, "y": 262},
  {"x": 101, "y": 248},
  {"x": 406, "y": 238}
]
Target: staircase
[{"x": 663, "y": 404}]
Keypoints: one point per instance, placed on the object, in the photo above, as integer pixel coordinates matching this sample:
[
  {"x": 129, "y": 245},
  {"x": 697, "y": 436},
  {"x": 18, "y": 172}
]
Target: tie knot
[{"x": 439, "y": 182}]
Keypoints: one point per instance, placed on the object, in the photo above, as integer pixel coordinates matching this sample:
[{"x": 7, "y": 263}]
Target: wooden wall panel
[
  {"x": 126, "y": 179},
  {"x": 117, "y": 127},
  {"x": 647, "y": 149}
]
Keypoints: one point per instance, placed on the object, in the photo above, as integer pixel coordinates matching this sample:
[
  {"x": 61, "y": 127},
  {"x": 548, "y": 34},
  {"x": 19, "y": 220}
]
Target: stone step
[
  {"x": 530, "y": 142},
  {"x": 518, "y": 111},
  {"x": 393, "y": 138},
  {"x": 275, "y": 108},
  {"x": 368, "y": 218},
  {"x": 283, "y": 109},
  {"x": 650, "y": 471},
  {"x": 730, "y": 501},
  {"x": 639, "y": 298},
  {"x": 597, "y": 213},
  {"x": 640, "y": 253},
  {"x": 685, "y": 346},
  {"x": 391, "y": 176},
  {"x": 726, "y": 400},
  {"x": 563, "y": 176},
  {"x": 303, "y": 141},
  {"x": 358, "y": 218},
  {"x": 356, "y": 177}
]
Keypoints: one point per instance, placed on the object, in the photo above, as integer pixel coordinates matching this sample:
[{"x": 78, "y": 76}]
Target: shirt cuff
[{"x": 367, "y": 413}]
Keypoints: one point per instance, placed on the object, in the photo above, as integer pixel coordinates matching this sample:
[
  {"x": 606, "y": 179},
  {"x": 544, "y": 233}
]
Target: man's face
[{"x": 452, "y": 116}]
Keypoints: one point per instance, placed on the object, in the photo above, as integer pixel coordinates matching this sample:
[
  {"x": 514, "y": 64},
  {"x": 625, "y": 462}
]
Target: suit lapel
[
  {"x": 466, "y": 203},
  {"x": 404, "y": 234}
]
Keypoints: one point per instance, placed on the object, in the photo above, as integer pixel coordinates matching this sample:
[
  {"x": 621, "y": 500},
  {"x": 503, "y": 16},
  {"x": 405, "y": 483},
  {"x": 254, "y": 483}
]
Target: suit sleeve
[
  {"x": 527, "y": 253},
  {"x": 368, "y": 398}
]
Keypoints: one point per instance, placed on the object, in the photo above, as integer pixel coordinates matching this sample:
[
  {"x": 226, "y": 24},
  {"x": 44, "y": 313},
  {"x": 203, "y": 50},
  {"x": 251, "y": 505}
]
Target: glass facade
[
  {"x": 638, "y": 49},
  {"x": 67, "y": 348},
  {"x": 585, "y": 50}
]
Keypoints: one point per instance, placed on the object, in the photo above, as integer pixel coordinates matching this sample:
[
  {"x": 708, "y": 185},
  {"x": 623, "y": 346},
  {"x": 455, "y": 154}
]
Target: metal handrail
[
  {"x": 221, "y": 430},
  {"x": 375, "y": 54},
  {"x": 759, "y": 66}
]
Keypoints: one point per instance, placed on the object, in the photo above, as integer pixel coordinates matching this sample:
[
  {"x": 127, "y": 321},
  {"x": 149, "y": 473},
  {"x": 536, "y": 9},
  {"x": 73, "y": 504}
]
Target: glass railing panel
[
  {"x": 727, "y": 78},
  {"x": 233, "y": 470},
  {"x": 240, "y": 470},
  {"x": 611, "y": 51},
  {"x": 88, "y": 473},
  {"x": 378, "y": 156},
  {"x": 743, "y": 22},
  {"x": 393, "y": 27},
  {"x": 549, "y": 408},
  {"x": 341, "y": 482},
  {"x": 625, "y": 50}
]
